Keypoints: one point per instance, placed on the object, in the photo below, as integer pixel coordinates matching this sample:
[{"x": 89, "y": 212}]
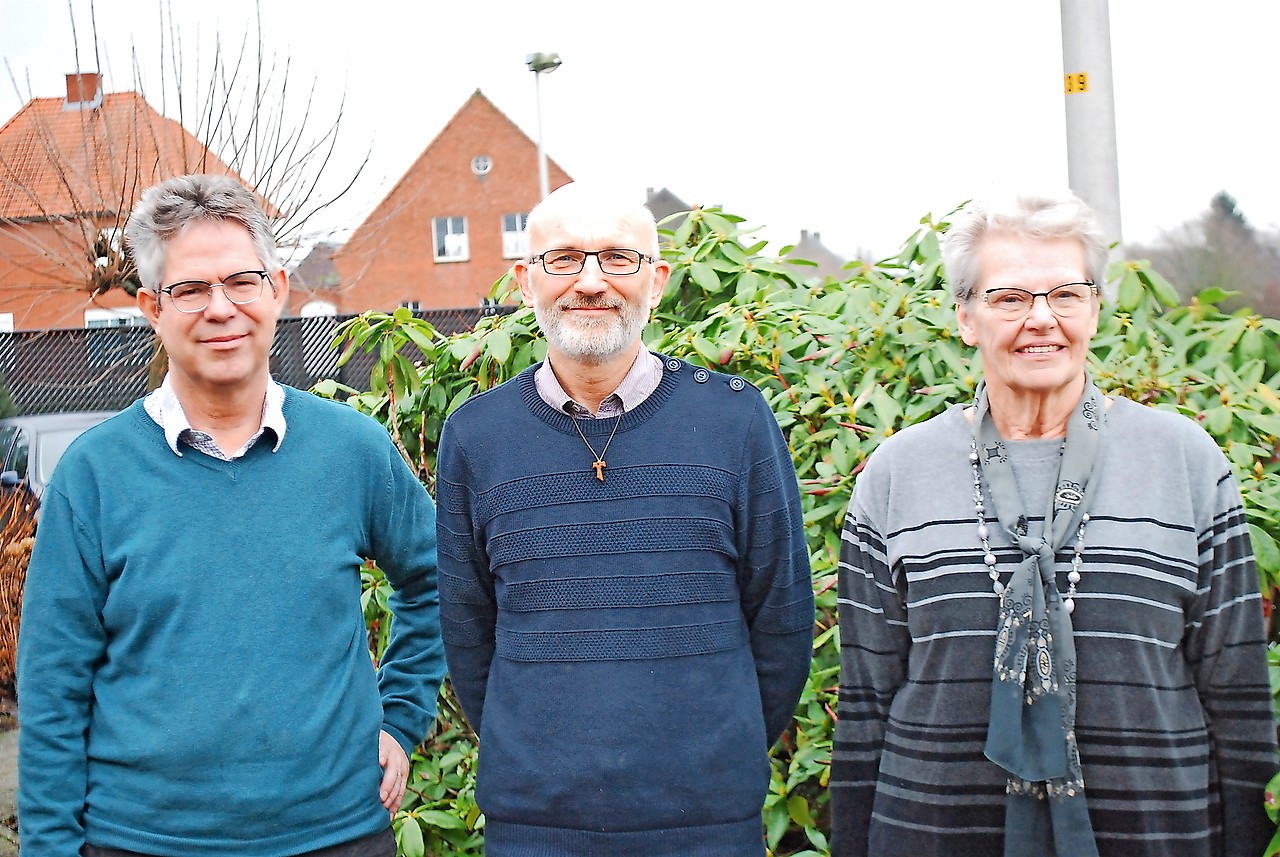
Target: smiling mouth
[{"x": 1040, "y": 349}]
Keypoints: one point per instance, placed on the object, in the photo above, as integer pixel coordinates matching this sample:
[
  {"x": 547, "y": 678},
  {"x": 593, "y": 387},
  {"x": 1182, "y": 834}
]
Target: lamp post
[
  {"x": 1093, "y": 170},
  {"x": 541, "y": 64}
]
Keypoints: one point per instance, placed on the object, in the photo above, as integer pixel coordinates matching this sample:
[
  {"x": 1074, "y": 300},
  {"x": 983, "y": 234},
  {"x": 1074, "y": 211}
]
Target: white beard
[{"x": 594, "y": 340}]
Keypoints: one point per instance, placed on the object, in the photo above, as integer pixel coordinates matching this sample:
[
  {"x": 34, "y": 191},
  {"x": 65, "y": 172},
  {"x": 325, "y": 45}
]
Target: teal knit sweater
[{"x": 193, "y": 674}]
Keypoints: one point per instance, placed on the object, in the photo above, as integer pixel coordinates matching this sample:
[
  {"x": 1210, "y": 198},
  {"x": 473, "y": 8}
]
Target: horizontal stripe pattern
[
  {"x": 1174, "y": 718},
  {"x": 607, "y": 637}
]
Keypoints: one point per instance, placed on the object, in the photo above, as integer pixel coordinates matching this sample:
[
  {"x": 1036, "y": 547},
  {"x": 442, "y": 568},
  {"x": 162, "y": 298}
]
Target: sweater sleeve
[
  {"x": 403, "y": 524},
  {"x": 777, "y": 589},
  {"x": 874, "y": 644},
  {"x": 1226, "y": 646},
  {"x": 62, "y": 641},
  {"x": 469, "y": 609}
]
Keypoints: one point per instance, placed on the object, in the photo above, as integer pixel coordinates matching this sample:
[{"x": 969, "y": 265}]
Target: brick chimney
[{"x": 84, "y": 91}]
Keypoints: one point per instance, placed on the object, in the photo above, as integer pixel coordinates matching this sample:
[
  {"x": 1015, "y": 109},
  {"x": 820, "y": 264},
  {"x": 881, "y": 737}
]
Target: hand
[{"x": 395, "y": 772}]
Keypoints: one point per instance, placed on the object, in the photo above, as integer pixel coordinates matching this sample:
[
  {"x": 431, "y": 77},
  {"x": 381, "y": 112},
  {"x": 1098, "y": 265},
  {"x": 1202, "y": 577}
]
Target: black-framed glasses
[
  {"x": 616, "y": 261},
  {"x": 241, "y": 288},
  {"x": 1064, "y": 301}
]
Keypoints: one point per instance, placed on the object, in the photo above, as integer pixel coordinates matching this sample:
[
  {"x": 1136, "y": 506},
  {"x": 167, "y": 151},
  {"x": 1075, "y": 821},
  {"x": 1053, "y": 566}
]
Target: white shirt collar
[{"x": 162, "y": 405}]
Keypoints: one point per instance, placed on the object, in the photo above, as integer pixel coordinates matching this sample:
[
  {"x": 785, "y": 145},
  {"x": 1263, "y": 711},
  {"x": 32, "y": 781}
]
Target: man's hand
[{"x": 395, "y": 772}]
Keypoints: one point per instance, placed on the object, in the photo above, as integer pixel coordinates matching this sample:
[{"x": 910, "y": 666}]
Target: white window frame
[
  {"x": 515, "y": 241},
  {"x": 317, "y": 308},
  {"x": 449, "y": 239},
  {"x": 127, "y": 316}
]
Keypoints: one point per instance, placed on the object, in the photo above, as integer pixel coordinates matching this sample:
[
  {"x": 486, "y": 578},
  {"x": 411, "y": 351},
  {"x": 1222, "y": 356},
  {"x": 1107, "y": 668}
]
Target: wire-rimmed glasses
[
  {"x": 241, "y": 288},
  {"x": 1064, "y": 301}
]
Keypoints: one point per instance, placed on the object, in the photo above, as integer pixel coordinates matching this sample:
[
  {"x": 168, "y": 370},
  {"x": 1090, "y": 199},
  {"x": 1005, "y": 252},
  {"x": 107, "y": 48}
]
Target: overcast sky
[{"x": 853, "y": 119}]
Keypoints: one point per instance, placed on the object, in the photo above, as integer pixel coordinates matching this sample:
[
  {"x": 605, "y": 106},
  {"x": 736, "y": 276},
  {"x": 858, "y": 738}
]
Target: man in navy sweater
[
  {"x": 626, "y": 601},
  {"x": 193, "y": 668}
]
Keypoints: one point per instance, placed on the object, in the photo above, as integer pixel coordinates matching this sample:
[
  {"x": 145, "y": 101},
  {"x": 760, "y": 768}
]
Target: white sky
[{"x": 852, "y": 118}]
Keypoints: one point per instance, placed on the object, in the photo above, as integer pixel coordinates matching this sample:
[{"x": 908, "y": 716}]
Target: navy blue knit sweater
[{"x": 626, "y": 649}]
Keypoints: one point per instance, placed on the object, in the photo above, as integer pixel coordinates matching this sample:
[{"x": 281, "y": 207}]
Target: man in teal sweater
[
  {"x": 193, "y": 669},
  {"x": 626, "y": 601}
]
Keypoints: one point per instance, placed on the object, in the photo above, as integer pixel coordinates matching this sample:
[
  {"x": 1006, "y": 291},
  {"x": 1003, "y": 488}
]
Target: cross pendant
[{"x": 599, "y": 465}]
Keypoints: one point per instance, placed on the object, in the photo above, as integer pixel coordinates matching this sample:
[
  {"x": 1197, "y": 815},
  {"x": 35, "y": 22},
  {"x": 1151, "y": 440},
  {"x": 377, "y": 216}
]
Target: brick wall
[
  {"x": 42, "y": 273},
  {"x": 391, "y": 257}
]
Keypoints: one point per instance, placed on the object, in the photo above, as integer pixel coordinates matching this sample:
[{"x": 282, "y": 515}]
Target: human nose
[
  {"x": 591, "y": 278},
  {"x": 220, "y": 305},
  {"x": 1040, "y": 312}
]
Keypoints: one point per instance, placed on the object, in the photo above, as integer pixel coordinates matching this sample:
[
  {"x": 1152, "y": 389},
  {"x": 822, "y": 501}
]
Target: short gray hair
[
  {"x": 164, "y": 209},
  {"x": 1042, "y": 216}
]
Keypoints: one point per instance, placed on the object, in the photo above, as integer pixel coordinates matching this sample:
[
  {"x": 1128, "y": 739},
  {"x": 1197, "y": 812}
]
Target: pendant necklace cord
[{"x": 598, "y": 464}]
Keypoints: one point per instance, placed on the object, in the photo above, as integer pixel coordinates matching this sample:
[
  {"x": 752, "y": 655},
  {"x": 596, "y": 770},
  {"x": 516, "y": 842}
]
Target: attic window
[{"x": 481, "y": 164}]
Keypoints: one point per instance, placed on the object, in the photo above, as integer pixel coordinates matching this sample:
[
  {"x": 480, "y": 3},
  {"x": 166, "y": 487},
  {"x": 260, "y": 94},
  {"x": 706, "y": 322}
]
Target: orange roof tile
[{"x": 57, "y": 161}]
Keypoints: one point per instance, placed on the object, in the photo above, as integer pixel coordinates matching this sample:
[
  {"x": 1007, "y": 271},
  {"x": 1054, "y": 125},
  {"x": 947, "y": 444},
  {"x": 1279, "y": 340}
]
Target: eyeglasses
[
  {"x": 194, "y": 295},
  {"x": 1064, "y": 301},
  {"x": 616, "y": 261}
]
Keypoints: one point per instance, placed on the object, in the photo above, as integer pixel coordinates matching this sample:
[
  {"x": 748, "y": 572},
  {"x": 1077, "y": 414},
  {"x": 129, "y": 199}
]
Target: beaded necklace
[{"x": 988, "y": 557}]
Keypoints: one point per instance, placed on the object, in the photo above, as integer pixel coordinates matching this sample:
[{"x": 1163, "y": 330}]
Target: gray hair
[
  {"x": 164, "y": 209},
  {"x": 1041, "y": 216},
  {"x": 602, "y": 202}
]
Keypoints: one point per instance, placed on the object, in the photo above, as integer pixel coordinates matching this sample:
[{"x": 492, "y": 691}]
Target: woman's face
[{"x": 1041, "y": 354}]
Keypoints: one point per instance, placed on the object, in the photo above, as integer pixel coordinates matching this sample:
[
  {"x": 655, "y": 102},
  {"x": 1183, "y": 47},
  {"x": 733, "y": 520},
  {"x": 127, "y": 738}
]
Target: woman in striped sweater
[{"x": 1051, "y": 633}]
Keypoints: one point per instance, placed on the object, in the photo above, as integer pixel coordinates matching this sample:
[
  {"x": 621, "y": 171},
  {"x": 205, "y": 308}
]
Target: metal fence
[{"x": 106, "y": 368}]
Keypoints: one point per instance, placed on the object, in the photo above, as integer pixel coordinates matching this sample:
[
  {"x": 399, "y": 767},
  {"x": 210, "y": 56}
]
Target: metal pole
[
  {"x": 1092, "y": 168},
  {"x": 542, "y": 154}
]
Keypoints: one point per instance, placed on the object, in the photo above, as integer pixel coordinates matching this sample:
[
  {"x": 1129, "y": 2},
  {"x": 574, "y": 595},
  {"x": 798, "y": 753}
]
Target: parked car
[{"x": 30, "y": 447}]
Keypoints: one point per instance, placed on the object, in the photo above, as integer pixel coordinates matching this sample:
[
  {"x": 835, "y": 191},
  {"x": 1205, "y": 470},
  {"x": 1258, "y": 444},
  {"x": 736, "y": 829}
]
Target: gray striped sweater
[{"x": 1174, "y": 714}]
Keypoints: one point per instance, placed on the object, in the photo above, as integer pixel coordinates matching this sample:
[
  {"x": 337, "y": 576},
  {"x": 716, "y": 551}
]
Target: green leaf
[
  {"x": 420, "y": 338},
  {"x": 1130, "y": 291},
  {"x": 443, "y": 820},
  {"x": 705, "y": 276},
  {"x": 1265, "y": 552},
  {"x": 1160, "y": 287},
  {"x": 798, "y": 810},
  {"x": 776, "y": 823},
  {"x": 460, "y": 349},
  {"x": 498, "y": 343},
  {"x": 1214, "y": 295},
  {"x": 409, "y": 839}
]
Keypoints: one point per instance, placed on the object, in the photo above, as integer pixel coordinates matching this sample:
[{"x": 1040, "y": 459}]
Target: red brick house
[
  {"x": 454, "y": 222},
  {"x": 70, "y": 171}
]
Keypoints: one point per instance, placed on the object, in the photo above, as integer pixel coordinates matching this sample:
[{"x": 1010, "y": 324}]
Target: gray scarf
[{"x": 1031, "y": 732}]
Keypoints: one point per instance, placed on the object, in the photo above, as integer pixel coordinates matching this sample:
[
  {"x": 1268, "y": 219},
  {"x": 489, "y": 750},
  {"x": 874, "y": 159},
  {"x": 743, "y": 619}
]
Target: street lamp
[{"x": 541, "y": 64}]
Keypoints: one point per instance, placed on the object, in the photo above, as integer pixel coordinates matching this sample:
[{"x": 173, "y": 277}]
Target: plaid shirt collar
[
  {"x": 162, "y": 405},
  {"x": 641, "y": 380}
]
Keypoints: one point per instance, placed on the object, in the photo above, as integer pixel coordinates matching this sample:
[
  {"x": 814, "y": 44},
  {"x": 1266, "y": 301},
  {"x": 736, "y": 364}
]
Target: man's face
[
  {"x": 592, "y": 317},
  {"x": 222, "y": 350}
]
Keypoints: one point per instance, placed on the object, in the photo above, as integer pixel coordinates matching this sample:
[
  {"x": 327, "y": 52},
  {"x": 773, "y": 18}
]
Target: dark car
[{"x": 30, "y": 447}]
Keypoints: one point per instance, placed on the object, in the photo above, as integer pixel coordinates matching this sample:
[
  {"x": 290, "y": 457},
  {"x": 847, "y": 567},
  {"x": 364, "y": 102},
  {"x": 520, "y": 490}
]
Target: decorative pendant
[
  {"x": 984, "y": 536},
  {"x": 598, "y": 465}
]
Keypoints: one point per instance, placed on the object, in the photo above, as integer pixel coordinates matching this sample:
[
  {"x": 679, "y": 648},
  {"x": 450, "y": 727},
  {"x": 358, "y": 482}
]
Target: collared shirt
[
  {"x": 162, "y": 405},
  {"x": 641, "y": 380}
]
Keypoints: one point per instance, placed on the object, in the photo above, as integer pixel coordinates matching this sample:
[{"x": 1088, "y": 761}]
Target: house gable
[
  {"x": 479, "y": 170},
  {"x": 71, "y": 168}
]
